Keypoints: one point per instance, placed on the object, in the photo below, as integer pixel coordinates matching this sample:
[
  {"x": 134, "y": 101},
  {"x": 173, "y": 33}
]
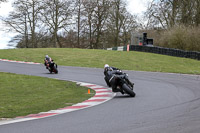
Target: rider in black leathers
[{"x": 111, "y": 73}]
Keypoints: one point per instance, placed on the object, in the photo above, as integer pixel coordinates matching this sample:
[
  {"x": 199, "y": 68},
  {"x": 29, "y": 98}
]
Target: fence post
[{"x": 128, "y": 47}]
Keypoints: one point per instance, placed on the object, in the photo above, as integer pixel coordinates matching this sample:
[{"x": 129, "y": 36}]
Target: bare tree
[
  {"x": 129, "y": 24},
  {"x": 197, "y": 13},
  {"x": 78, "y": 5},
  {"x": 100, "y": 18},
  {"x": 33, "y": 8},
  {"x": 56, "y": 16},
  {"x": 119, "y": 21},
  {"x": 23, "y": 20},
  {"x": 81, "y": 13},
  {"x": 186, "y": 11},
  {"x": 168, "y": 13},
  {"x": 163, "y": 13},
  {"x": 116, "y": 16},
  {"x": 67, "y": 23},
  {"x": 89, "y": 7},
  {"x": 190, "y": 12}
]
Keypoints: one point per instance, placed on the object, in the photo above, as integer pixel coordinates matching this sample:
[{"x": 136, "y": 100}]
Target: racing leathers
[{"x": 111, "y": 74}]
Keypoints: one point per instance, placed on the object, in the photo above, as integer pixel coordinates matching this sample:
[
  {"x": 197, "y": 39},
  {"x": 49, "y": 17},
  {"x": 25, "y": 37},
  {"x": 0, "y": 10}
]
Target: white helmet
[
  {"x": 47, "y": 56},
  {"x": 106, "y": 65}
]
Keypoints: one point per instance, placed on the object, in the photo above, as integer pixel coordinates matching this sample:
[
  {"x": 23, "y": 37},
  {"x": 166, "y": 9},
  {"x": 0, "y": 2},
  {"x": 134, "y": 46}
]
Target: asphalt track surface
[{"x": 165, "y": 103}]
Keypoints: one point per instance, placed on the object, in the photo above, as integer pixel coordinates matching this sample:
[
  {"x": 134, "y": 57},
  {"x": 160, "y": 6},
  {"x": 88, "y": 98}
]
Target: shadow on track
[{"x": 123, "y": 96}]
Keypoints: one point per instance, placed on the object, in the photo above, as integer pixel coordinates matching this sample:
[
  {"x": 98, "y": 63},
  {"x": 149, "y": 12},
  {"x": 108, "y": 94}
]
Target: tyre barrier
[{"x": 160, "y": 50}]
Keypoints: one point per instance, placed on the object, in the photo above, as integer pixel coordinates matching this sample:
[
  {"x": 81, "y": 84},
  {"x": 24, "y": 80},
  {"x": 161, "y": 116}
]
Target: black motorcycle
[
  {"x": 122, "y": 84},
  {"x": 53, "y": 67}
]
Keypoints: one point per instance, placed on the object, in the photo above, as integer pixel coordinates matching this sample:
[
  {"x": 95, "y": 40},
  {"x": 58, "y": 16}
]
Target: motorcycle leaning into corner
[
  {"x": 51, "y": 66},
  {"x": 118, "y": 80}
]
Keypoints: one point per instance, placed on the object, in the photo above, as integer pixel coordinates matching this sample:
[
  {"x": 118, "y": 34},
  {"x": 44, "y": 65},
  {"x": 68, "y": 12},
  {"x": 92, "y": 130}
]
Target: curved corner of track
[{"x": 102, "y": 94}]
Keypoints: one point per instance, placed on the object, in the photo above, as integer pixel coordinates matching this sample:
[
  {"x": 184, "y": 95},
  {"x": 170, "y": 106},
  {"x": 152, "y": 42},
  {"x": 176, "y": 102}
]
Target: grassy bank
[
  {"x": 21, "y": 95},
  {"x": 138, "y": 61}
]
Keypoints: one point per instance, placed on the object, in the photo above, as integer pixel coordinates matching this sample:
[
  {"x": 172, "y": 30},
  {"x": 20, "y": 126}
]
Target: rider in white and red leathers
[{"x": 47, "y": 61}]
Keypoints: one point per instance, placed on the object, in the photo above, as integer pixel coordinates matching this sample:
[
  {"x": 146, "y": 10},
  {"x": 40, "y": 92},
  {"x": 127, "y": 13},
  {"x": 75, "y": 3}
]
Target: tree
[
  {"x": 197, "y": 13},
  {"x": 80, "y": 23},
  {"x": 89, "y": 7},
  {"x": 56, "y": 16},
  {"x": 96, "y": 16},
  {"x": 78, "y": 12},
  {"x": 162, "y": 13},
  {"x": 129, "y": 24},
  {"x": 119, "y": 24},
  {"x": 116, "y": 18},
  {"x": 33, "y": 8},
  {"x": 23, "y": 20},
  {"x": 190, "y": 12},
  {"x": 168, "y": 13},
  {"x": 100, "y": 18}
]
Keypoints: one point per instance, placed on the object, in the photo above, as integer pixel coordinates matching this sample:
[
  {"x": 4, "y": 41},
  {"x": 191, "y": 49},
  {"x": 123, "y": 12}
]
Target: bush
[{"x": 181, "y": 37}]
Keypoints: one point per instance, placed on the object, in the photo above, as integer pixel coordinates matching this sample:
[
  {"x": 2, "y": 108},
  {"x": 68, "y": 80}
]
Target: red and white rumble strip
[
  {"x": 102, "y": 94},
  {"x": 18, "y": 61}
]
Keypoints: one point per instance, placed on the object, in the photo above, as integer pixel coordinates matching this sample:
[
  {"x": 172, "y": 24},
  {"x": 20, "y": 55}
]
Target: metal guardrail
[{"x": 160, "y": 50}]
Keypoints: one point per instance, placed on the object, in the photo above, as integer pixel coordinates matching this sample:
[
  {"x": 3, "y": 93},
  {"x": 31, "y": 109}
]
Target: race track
[{"x": 165, "y": 103}]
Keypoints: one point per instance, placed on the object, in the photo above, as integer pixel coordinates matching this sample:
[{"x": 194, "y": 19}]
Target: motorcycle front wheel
[
  {"x": 128, "y": 90},
  {"x": 55, "y": 70}
]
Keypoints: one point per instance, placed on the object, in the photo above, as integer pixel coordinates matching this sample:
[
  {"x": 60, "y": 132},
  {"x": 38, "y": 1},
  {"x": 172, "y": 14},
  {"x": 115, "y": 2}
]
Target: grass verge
[
  {"x": 21, "y": 95},
  {"x": 133, "y": 60}
]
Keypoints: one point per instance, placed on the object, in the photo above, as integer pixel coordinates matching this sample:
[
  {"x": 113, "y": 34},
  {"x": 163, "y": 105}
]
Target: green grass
[
  {"x": 21, "y": 95},
  {"x": 138, "y": 61}
]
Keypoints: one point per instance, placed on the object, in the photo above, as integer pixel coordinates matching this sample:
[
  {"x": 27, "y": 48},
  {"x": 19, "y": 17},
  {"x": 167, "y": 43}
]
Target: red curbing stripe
[
  {"x": 75, "y": 107},
  {"x": 95, "y": 100},
  {"x": 108, "y": 95},
  {"x": 40, "y": 115}
]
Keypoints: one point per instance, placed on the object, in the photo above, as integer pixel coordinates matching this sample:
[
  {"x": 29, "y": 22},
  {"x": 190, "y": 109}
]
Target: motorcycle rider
[
  {"x": 111, "y": 73},
  {"x": 47, "y": 61}
]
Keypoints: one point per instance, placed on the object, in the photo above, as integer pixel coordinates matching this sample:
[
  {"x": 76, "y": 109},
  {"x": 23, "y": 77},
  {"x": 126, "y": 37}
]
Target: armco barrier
[{"x": 160, "y": 50}]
